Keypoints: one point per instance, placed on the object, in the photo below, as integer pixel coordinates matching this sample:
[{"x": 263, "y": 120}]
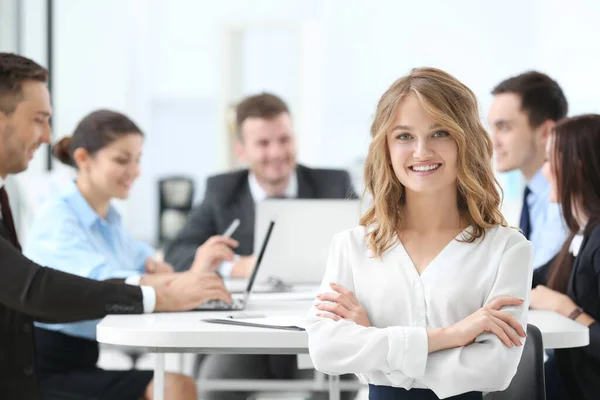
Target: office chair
[
  {"x": 528, "y": 383},
  {"x": 175, "y": 197}
]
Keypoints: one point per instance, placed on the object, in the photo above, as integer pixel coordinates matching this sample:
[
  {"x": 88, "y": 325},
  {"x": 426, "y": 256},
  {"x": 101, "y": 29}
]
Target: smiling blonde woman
[{"x": 432, "y": 286}]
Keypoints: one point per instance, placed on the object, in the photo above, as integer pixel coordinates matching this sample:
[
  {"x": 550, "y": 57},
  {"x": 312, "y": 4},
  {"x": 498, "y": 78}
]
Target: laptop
[
  {"x": 240, "y": 303},
  {"x": 299, "y": 249}
]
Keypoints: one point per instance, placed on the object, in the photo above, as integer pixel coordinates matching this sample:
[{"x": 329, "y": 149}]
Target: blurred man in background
[
  {"x": 266, "y": 143},
  {"x": 524, "y": 111}
]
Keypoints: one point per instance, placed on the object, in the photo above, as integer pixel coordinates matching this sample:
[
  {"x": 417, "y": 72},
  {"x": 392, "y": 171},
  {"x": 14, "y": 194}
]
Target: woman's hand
[
  {"x": 543, "y": 298},
  {"x": 489, "y": 318},
  {"x": 212, "y": 253},
  {"x": 342, "y": 304}
]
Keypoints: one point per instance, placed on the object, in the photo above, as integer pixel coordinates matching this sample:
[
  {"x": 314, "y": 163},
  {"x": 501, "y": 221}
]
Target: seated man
[{"x": 266, "y": 144}]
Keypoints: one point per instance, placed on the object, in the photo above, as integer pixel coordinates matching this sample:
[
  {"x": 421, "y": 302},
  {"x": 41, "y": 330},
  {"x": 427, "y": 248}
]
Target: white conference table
[{"x": 187, "y": 333}]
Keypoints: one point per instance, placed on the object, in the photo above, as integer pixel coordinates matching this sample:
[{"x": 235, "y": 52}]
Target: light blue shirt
[
  {"x": 69, "y": 236},
  {"x": 548, "y": 229}
]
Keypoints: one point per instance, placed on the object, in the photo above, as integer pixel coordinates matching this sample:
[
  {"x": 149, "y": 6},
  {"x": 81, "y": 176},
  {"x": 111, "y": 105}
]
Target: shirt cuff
[
  {"x": 227, "y": 266},
  {"x": 133, "y": 280},
  {"x": 408, "y": 350},
  {"x": 149, "y": 296}
]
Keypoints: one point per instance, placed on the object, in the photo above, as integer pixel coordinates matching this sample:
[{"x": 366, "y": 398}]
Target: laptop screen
[{"x": 259, "y": 258}]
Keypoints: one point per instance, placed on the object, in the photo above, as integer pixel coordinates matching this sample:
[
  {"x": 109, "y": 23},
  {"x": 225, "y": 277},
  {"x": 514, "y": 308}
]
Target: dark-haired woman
[
  {"x": 570, "y": 285},
  {"x": 80, "y": 232}
]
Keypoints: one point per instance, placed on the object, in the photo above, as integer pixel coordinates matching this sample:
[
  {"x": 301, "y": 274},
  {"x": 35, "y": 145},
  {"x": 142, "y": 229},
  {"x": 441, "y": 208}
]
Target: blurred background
[{"x": 176, "y": 67}]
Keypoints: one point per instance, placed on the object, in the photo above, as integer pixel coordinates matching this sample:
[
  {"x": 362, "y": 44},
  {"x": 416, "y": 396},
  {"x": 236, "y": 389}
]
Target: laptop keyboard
[{"x": 221, "y": 305}]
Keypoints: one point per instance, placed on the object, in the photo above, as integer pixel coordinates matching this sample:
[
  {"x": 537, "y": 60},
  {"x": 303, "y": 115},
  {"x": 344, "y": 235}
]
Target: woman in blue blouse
[{"x": 80, "y": 232}]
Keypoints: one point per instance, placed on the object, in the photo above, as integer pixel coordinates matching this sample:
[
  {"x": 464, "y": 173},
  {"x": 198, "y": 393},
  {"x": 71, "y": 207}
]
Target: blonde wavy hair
[{"x": 453, "y": 106}]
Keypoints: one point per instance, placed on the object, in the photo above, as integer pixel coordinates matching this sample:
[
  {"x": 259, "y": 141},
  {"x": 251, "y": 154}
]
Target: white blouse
[{"x": 401, "y": 305}]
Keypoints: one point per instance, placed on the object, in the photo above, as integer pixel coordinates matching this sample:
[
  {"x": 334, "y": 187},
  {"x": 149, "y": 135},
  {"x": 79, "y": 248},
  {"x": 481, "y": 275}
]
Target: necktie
[
  {"x": 7, "y": 219},
  {"x": 525, "y": 223},
  {"x": 278, "y": 197}
]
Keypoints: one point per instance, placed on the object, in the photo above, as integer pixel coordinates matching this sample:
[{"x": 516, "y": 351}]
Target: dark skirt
[
  {"x": 67, "y": 370},
  {"x": 393, "y": 393}
]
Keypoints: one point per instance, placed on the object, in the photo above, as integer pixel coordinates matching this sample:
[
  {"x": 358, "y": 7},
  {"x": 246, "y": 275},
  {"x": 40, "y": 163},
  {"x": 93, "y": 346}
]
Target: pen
[{"x": 231, "y": 229}]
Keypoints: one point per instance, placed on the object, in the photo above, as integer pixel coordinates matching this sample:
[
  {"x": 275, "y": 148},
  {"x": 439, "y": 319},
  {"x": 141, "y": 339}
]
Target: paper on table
[
  {"x": 239, "y": 286},
  {"x": 282, "y": 322},
  {"x": 277, "y": 320},
  {"x": 298, "y": 292}
]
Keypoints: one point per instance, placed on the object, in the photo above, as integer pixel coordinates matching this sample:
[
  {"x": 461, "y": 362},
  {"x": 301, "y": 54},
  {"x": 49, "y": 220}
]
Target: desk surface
[
  {"x": 559, "y": 332},
  {"x": 183, "y": 332}
]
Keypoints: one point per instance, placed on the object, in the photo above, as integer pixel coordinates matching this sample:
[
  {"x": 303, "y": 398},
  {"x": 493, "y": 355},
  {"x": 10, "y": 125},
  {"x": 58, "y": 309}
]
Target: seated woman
[
  {"x": 570, "y": 285},
  {"x": 80, "y": 232},
  {"x": 428, "y": 297}
]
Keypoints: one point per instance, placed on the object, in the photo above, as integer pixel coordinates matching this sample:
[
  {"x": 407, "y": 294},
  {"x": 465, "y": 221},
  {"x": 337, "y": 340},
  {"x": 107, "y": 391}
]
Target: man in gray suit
[{"x": 266, "y": 144}]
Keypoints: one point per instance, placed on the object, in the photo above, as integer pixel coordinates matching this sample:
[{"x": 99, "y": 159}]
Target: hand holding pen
[{"x": 215, "y": 250}]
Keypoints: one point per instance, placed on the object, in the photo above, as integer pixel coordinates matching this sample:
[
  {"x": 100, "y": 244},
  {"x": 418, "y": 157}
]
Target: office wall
[
  {"x": 8, "y": 25},
  {"x": 23, "y": 30},
  {"x": 158, "y": 62},
  {"x": 26, "y": 36}
]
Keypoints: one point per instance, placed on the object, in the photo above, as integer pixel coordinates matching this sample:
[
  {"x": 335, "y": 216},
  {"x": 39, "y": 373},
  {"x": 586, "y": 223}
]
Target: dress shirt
[
  {"x": 548, "y": 230},
  {"x": 1, "y": 186},
  {"x": 576, "y": 243},
  {"x": 258, "y": 194},
  {"x": 401, "y": 305},
  {"x": 69, "y": 236}
]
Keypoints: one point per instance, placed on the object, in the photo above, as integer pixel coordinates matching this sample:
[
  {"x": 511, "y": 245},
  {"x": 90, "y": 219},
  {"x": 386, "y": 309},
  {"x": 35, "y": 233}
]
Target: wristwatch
[{"x": 575, "y": 313}]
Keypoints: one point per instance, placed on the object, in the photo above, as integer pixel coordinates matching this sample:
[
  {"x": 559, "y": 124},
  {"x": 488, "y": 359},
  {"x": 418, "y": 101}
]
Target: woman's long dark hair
[{"x": 576, "y": 164}]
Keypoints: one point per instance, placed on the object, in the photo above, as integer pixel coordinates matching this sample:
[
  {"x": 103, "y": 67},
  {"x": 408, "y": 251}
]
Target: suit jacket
[
  {"x": 228, "y": 197},
  {"x": 580, "y": 366},
  {"x": 30, "y": 292}
]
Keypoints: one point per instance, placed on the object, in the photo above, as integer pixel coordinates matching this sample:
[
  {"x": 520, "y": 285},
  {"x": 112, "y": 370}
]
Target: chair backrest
[
  {"x": 528, "y": 383},
  {"x": 175, "y": 195},
  {"x": 176, "y": 192}
]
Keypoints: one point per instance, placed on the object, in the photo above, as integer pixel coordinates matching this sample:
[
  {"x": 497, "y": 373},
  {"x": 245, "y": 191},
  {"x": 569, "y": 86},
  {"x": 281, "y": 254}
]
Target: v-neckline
[{"x": 434, "y": 259}]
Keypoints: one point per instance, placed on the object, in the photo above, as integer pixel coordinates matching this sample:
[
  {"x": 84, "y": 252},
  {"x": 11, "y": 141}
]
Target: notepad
[{"x": 283, "y": 323}]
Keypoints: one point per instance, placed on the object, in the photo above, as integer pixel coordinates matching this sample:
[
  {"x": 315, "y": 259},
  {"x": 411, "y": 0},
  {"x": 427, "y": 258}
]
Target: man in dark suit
[
  {"x": 265, "y": 142},
  {"x": 31, "y": 292}
]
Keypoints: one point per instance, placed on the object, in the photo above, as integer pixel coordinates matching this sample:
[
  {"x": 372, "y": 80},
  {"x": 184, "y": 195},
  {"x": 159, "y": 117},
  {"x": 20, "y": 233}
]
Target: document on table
[{"x": 284, "y": 323}]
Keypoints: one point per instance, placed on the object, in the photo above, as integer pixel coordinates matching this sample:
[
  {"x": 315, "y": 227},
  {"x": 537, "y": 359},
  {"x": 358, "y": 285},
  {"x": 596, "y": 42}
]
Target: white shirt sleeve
[
  {"x": 487, "y": 365},
  {"x": 338, "y": 347},
  {"x": 133, "y": 280},
  {"x": 149, "y": 296},
  {"x": 148, "y": 293}
]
